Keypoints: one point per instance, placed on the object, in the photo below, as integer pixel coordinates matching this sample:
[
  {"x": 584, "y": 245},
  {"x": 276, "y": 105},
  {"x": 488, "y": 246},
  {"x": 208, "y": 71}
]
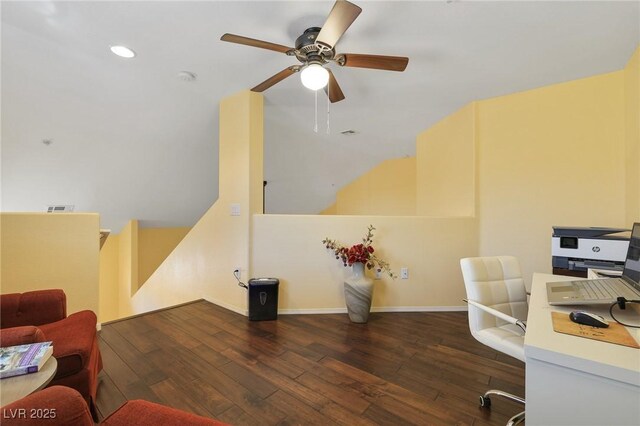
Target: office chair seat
[{"x": 508, "y": 339}]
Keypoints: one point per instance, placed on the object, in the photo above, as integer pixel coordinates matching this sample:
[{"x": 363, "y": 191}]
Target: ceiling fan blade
[
  {"x": 276, "y": 78},
  {"x": 378, "y": 62},
  {"x": 232, "y": 38},
  {"x": 335, "y": 93},
  {"x": 340, "y": 18}
]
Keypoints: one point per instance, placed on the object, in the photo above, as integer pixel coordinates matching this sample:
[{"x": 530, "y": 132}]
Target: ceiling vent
[
  {"x": 59, "y": 209},
  {"x": 187, "y": 76},
  {"x": 349, "y": 132}
]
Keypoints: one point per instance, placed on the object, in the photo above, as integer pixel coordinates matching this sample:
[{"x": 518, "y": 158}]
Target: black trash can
[{"x": 263, "y": 299}]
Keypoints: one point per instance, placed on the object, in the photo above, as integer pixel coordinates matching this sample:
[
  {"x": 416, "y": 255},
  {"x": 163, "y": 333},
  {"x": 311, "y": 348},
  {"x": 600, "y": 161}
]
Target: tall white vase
[{"x": 358, "y": 292}]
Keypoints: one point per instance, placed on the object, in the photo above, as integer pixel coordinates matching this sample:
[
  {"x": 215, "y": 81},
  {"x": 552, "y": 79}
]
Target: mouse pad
[{"x": 615, "y": 333}]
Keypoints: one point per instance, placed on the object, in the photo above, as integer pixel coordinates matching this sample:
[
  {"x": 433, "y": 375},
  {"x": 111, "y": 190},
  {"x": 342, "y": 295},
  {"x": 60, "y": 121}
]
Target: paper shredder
[{"x": 263, "y": 299}]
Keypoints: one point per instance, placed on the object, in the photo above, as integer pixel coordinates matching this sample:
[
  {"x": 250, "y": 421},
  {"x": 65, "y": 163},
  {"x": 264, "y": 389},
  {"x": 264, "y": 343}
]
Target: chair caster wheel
[{"x": 485, "y": 401}]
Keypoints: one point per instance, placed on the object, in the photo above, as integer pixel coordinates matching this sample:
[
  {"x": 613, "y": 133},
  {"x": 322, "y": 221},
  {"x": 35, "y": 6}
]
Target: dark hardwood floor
[{"x": 400, "y": 368}]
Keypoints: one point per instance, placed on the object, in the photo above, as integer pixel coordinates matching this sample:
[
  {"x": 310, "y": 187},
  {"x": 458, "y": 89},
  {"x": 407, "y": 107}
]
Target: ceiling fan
[{"x": 316, "y": 47}]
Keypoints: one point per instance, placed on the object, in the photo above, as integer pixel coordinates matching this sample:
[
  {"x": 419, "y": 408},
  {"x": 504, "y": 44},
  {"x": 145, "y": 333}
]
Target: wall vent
[{"x": 59, "y": 209}]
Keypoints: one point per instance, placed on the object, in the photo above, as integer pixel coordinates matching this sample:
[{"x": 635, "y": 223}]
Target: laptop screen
[{"x": 632, "y": 264}]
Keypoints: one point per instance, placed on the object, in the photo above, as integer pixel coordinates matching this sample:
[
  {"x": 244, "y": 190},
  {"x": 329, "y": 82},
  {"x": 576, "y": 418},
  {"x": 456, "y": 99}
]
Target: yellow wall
[
  {"x": 523, "y": 162},
  {"x": 550, "y": 156},
  {"x": 387, "y": 189},
  {"x": 109, "y": 279},
  {"x": 52, "y": 250},
  {"x": 290, "y": 248},
  {"x": 446, "y": 166},
  {"x": 154, "y": 245},
  {"x": 632, "y": 130}
]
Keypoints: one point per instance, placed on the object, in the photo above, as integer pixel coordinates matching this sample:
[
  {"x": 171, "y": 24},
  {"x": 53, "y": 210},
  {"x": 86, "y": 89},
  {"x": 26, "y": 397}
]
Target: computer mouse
[{"x": 587, "y": 318}]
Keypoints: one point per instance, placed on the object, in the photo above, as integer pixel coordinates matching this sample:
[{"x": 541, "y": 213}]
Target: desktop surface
[
  {"x": 573, "y": 380},
  {"x": 602, "y": 358}
]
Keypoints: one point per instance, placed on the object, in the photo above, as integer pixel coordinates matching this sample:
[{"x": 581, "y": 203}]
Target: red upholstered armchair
[
  {"x": 39, "y": 316},
  {"x": 59, "y": 405}
]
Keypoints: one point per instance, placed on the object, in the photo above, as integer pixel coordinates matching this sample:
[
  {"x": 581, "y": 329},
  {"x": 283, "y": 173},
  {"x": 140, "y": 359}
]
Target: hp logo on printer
[{"x": 595, "y": 249}]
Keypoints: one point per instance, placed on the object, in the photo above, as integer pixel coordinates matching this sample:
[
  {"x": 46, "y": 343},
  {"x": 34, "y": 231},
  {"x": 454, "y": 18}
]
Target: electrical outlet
[{"x": 404, "y": 273}]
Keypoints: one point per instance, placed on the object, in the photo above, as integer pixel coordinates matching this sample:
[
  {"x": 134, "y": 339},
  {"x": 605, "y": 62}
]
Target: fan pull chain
[
  {"x": 315, "y": 127},
  {"x": 328, "y": 103}
]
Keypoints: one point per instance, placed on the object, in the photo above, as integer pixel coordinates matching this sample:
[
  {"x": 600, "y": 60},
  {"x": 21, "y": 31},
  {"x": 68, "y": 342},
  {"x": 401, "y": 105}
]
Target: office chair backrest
[{"x": 495, "y": 282}]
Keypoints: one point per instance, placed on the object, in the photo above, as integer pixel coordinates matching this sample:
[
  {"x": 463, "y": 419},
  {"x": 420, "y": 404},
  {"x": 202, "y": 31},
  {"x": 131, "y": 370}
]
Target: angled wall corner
[
  {"x": 128, "y": 261},
  {"x": 389, "y": 189},
  {"x": 154, "y": 245},
  {"x": 332, "y": 209},
  {"x": 446, "y": 166}
]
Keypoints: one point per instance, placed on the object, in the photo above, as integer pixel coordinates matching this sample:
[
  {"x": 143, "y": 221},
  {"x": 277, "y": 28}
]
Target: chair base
[
  {"x": 485, "y": 401},
  {"x": 518, "y": 418}
]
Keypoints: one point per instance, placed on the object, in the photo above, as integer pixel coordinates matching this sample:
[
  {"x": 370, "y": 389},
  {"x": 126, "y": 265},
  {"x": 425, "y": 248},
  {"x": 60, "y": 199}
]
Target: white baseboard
[
  {"x": 420, "y": 309},
  {"x": 319, "y": 311},
  {"x": 375, "y": 309},
  {"x": 312, "y": 311}
]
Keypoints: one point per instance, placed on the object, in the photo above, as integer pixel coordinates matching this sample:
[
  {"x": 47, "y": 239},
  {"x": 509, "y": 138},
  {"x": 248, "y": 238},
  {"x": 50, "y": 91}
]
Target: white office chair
[{"x": 498, "y": 309}]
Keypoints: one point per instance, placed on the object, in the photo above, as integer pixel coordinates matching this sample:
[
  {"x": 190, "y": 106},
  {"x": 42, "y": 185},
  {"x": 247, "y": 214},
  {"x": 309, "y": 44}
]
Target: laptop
[{"x": 602, "y": 291}]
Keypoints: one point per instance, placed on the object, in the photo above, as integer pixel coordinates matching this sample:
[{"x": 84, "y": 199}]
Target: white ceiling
[{"x": 131, "y": 140}]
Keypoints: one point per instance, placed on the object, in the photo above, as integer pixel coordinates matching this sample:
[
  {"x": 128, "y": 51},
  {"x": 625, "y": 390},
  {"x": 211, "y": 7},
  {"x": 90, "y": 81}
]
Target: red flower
[{"x": 359, "y": 253}]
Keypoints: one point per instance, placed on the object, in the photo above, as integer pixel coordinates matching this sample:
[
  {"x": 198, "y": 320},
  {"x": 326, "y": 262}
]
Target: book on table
[{"x": 24, "y": 359}]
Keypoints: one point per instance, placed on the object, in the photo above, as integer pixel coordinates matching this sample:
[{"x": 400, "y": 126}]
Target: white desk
[{"x": 572, "y": 380}]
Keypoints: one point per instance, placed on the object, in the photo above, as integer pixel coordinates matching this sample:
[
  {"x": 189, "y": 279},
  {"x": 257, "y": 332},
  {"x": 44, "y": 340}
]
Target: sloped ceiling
[{"x": 131, "y": 140}]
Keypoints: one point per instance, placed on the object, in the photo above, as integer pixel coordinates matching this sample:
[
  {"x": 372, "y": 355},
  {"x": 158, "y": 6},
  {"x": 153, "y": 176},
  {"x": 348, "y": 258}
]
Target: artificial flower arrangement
[{"x": 363, "y": 253}]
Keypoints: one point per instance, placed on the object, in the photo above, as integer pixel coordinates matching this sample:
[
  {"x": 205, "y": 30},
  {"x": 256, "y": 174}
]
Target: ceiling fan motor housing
[{"x": 308, "y": 50}]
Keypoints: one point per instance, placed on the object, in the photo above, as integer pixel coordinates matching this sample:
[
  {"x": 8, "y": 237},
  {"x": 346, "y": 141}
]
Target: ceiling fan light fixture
[{"x": 314, "y": 76}]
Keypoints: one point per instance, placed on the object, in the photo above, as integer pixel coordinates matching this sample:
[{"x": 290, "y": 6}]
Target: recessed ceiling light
[{"x": 123, "y": 51}]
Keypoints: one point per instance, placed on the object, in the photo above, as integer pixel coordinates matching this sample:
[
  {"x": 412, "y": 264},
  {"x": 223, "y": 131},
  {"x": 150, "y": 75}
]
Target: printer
[{"x": 574, "y": 250}]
